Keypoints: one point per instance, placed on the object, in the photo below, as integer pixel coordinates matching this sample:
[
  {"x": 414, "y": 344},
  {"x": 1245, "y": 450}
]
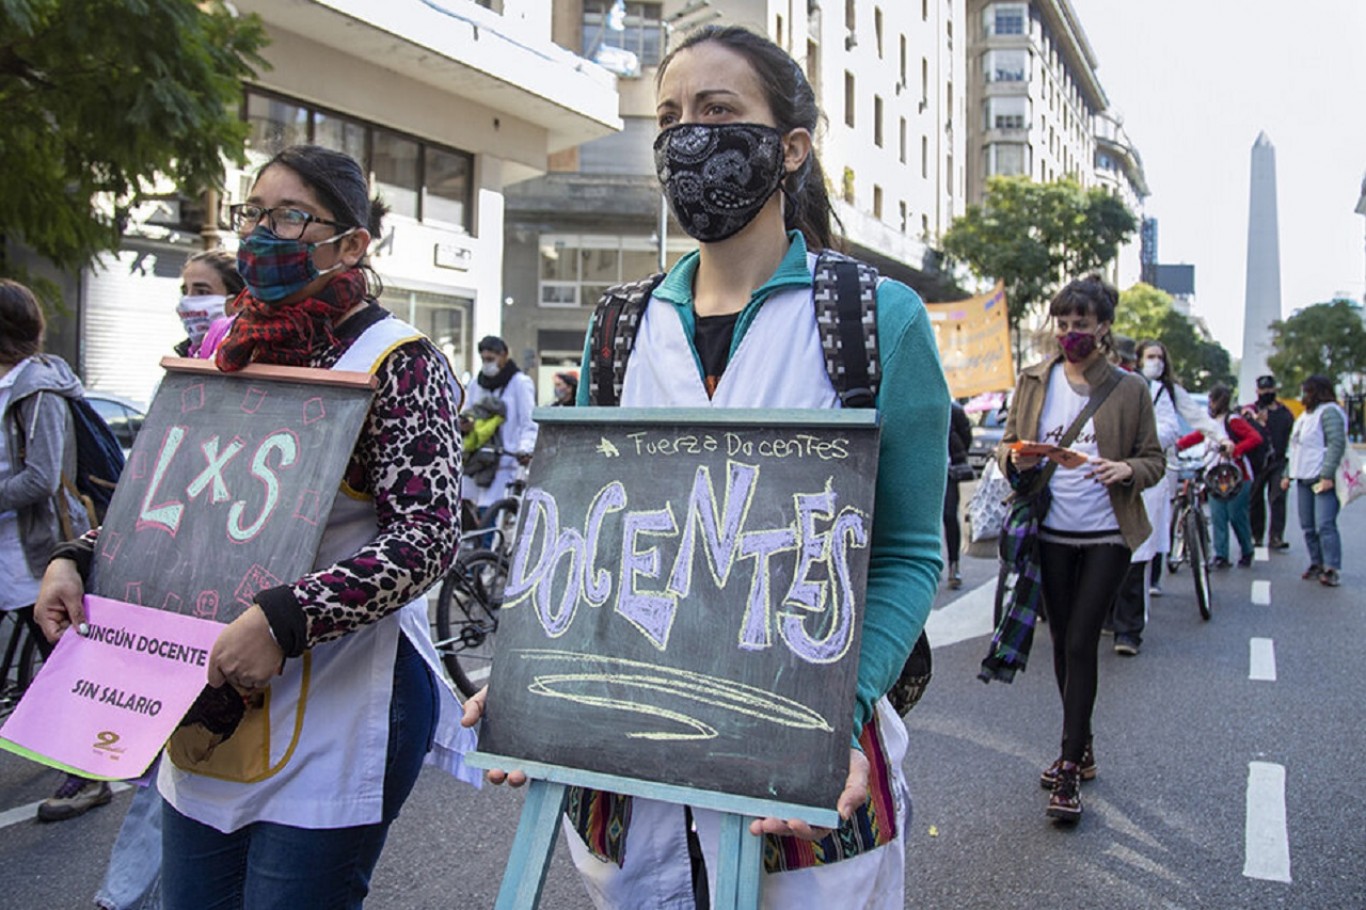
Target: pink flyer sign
[{"x": 117, "y": 693}]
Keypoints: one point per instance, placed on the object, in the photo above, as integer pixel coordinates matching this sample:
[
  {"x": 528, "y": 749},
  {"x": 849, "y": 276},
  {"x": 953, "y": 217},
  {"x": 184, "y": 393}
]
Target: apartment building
[
  {"x": 890, "y": 78},
  {"x": 1038, "y": 109},
  {"x": 447, "y": 103}
]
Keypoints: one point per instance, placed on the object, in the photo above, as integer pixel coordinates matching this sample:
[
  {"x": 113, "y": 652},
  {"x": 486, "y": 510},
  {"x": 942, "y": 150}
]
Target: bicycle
[
  {"x": 20, "y": 663},
  {"x": 1190, "y": 531},
  {"x": 470, "y": 599}
]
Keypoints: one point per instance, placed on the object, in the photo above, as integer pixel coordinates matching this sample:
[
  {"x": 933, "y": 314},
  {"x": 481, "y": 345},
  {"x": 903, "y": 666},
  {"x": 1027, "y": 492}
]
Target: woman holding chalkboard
[
  {"x": 734, "y": 325},
  {"x": 286, "y": 801}
]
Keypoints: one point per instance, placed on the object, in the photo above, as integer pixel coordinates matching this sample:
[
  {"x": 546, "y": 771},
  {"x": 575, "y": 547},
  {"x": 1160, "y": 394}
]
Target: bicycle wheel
[
  {"x": 467, "y": 609},
  {"x": 502, "y": 518},
  {"x": 1197, "y": 546},
  {"x": 1177, "y": 554}
]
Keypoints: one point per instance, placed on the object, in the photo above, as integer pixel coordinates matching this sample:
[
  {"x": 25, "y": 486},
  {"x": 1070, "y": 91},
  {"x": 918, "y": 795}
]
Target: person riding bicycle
[{"x": 1234, "y": 509}]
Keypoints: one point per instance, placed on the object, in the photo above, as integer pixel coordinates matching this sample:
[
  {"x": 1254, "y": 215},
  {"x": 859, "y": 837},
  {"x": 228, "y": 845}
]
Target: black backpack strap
[
  {"x": 844, "y": 293},
  {"x": 612, "y": 337}
]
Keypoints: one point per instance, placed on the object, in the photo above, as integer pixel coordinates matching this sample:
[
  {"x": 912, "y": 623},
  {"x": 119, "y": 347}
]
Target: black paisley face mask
[{"x": 717, "y": 176}]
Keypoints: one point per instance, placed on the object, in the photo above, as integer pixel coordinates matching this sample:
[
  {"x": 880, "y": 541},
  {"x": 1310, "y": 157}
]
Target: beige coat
[{"x": 1126, "y": 430}]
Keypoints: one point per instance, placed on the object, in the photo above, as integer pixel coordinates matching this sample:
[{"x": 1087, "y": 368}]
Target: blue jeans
[
  {"x": 133, "y": 879},
  {"x": 1319, "y": 521},
  {"x": 268, "y": 865},
  {"x": 1235, "y": 511}
]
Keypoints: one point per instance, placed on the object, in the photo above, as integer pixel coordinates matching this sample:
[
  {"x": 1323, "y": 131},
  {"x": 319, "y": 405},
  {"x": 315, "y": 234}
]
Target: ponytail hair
[{"x": 792, "y": 101}]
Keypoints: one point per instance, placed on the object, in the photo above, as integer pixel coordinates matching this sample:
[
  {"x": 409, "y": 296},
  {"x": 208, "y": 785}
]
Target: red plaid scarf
[{"x": 286, "y": 334}]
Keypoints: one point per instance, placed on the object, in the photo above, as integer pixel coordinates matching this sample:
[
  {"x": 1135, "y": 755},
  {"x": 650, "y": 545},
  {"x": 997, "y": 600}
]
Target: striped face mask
[{"x": 274, "y": 268}]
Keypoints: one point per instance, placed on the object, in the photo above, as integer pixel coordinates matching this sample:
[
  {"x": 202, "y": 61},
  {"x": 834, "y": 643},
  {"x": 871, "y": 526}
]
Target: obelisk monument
[{"x": 1262, "y": 300}]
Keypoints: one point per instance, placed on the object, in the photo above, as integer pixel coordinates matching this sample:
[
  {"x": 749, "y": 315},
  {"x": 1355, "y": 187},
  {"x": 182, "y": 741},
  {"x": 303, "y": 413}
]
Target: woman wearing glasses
[{"x": 308, "y": 831}]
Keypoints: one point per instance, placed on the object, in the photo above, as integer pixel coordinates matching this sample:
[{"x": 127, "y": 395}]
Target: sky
[{"x": 1196, "y": 81}]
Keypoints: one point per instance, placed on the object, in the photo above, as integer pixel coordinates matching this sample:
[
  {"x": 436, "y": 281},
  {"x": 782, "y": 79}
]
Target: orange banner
[{"x": 973, "y": 336}]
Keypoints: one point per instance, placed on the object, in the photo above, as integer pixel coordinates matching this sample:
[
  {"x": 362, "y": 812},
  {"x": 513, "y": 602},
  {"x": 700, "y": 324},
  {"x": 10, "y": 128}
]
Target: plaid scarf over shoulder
[{"x": 286, "y": 334}]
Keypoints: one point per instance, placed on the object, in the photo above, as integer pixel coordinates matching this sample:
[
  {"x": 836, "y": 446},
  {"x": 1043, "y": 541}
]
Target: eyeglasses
[{"x": 284, "y": 222}]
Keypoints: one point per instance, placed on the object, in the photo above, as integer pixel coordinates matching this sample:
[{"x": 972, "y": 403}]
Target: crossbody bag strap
[{"x": 1092, "y": 406}]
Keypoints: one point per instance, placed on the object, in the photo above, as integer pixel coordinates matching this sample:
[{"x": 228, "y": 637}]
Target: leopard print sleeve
[{"x": 408, "y": 460}]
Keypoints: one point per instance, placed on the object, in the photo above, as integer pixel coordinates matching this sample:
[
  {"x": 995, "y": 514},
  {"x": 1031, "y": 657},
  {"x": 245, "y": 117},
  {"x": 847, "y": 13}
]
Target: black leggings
[
  {"x": 1079, "y": 585},
  {"x": 953, "y": 534}
]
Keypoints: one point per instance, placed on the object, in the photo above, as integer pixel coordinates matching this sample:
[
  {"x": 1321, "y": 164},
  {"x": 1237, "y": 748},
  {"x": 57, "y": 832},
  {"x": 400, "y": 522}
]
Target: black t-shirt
[{"x": 713, "y": 336}]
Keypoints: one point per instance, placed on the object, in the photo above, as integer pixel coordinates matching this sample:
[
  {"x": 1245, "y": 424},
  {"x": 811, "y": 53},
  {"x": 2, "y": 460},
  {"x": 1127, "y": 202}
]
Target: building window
[
  {"x": 902, "y": 69},
  {"x": 778, "y": 31},
  {"x": 614, "y": 40},
  {"x": 1005, "y": 65},
  {"x": 924, "y": 82},
  {"x": 1007, "y": 113},
  {"x": 848, "y": 98},
  {"x": 877, "y": 202},
  {"x": 901, "y": 207},
  {"x": 925, "y": 10},
  {"x": 1004, "y": 18},
  {"x": 877, "y": 120},
  {"x": 877, "y": 29},
  {"x": 948, "y": 175},
  {"x": 901, "y": 140},
  {"x": 925, "y": 156},
  {"x": 417, "y": 179},
  {"x": 576, "y": 269},
  {"x": 850, "y": 19},
  {"x": 1007, "y": 159},
  {"x": 395, "y": 165}
]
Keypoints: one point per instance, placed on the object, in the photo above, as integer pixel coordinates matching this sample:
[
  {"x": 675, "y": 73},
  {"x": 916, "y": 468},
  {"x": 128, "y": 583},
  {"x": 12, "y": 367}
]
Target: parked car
[
  {"x": 123, "y": 416},
  {"x": 987, "y": 429}
]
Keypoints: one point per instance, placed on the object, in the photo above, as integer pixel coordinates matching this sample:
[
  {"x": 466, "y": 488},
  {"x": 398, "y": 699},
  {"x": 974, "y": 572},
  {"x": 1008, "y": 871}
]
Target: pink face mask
[{"x": 1077, "y": 346}]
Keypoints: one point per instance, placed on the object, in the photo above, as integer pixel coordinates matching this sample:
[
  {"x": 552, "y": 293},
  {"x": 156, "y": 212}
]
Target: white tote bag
[{"x": 1348, "y": 480}]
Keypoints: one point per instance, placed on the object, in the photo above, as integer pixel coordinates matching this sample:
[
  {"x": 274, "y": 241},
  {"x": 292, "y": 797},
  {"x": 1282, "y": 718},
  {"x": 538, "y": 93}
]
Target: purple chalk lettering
[
  {"x": 597, "y": 583},
  {"x": 850, "y": 529},
  {"x": 720, "y": 534},
  {"x": 755, "y": 631},
  {"x": 651, "y": 612}
]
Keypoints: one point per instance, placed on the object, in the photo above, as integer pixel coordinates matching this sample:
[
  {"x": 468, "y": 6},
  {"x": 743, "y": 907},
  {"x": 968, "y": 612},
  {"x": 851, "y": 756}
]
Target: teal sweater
[{"x": 913, "y": 401}]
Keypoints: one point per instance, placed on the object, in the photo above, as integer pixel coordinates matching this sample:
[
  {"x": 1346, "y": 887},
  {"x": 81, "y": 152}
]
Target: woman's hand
[
  {"x": 1325, "y": 485},
  {"x": 1285, "y": 483},
  {"x": 1024, "y": 462},
  {"x": 855, "y": 794},
  {"x": 474, "y": 709},
  {"x": 1110, "y": 472},
  {"x": 245, "y": 653},
  {"x": 59, "y": 605}
]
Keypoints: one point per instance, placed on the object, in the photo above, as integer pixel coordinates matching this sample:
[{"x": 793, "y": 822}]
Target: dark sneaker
[
  {"x": 1221, "y": 562},
  {"x": 74, "y": 797},
  {"x": 1312, "y": 573},
  {"x": 1126, "y": 645},
  {"x": 1087, "y": 768},
  {"x": 1245, "y": 561},
  {"x": 1064, "y": 803},
  {"x": 1329, "y": 578},
  {"x": 1278, "y": 544}
]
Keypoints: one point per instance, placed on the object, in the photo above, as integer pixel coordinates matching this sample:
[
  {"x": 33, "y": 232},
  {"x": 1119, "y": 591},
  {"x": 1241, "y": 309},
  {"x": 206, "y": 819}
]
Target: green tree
[
  {"x": 1326, "y": 338},
  {"x": 1147, "y": 312},
  {"x": 1036, "y": 236},
  {"x": 98, "y": 98}
]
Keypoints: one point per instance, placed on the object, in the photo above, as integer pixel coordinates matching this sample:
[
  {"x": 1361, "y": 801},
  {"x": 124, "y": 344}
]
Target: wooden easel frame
[{"x": 739, "y": 871}]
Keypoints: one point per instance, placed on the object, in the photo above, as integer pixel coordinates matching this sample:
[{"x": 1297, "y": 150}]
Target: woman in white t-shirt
[
  {"x": 1096, "y": 518},
  {"x": 1317, "y": 443}
]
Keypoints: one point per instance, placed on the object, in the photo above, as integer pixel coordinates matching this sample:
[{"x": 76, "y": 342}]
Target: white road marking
[
  {"x": 1262, "y": 554},
  {"x": 1267, "y": 844},
  {"x": 1261, "y": 660},
  {"x": 29, "y": 813},
  {"x": 1261, "y": 593},
  {"x": 967, "y": 617}
]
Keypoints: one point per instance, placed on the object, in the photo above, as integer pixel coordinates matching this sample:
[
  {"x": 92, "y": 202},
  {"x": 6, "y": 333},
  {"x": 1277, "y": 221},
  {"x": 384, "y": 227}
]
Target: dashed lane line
[
  {"x": 1262, "y": 554},
  {"x": 1261, "y": 660},
  {"x": 1261, "y": 593},
  {"x": 30, "y": 812},
  {"x": 1267, "y": 846},
  {"x": 967, "y": 617}
]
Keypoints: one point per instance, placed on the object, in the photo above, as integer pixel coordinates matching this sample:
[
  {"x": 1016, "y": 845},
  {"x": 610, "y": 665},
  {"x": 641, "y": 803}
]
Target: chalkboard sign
[
  {"x": 229, "y": 485},
  {"x": 684, "y": 599}
]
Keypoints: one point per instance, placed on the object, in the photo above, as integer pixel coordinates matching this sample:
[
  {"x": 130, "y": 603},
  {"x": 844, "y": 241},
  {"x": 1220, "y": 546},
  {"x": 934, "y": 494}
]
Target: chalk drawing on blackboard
[
  {"x": 112, "y": 541},
  {"x": 206, "y": 604},
  {"x": 254, "y": 582},
  {"x": 253, "y": 399},
  {"x": 163, "y": 516},
  {"x": 314, "y": 410},
  {"x": 212, "y": 475},
  {"x": 133, "y": 593},
  {"x": 607, "y": 448},
  {"x": 596, "y": 671},
  {"x": 309, "y": 506},
  {"x": 192, "y": 398},
  {"x": 172, "y": 602}
]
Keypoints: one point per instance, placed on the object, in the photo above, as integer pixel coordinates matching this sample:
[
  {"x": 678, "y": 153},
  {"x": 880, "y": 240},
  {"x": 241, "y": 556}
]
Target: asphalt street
[{"x": 1229, "y": 754}]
